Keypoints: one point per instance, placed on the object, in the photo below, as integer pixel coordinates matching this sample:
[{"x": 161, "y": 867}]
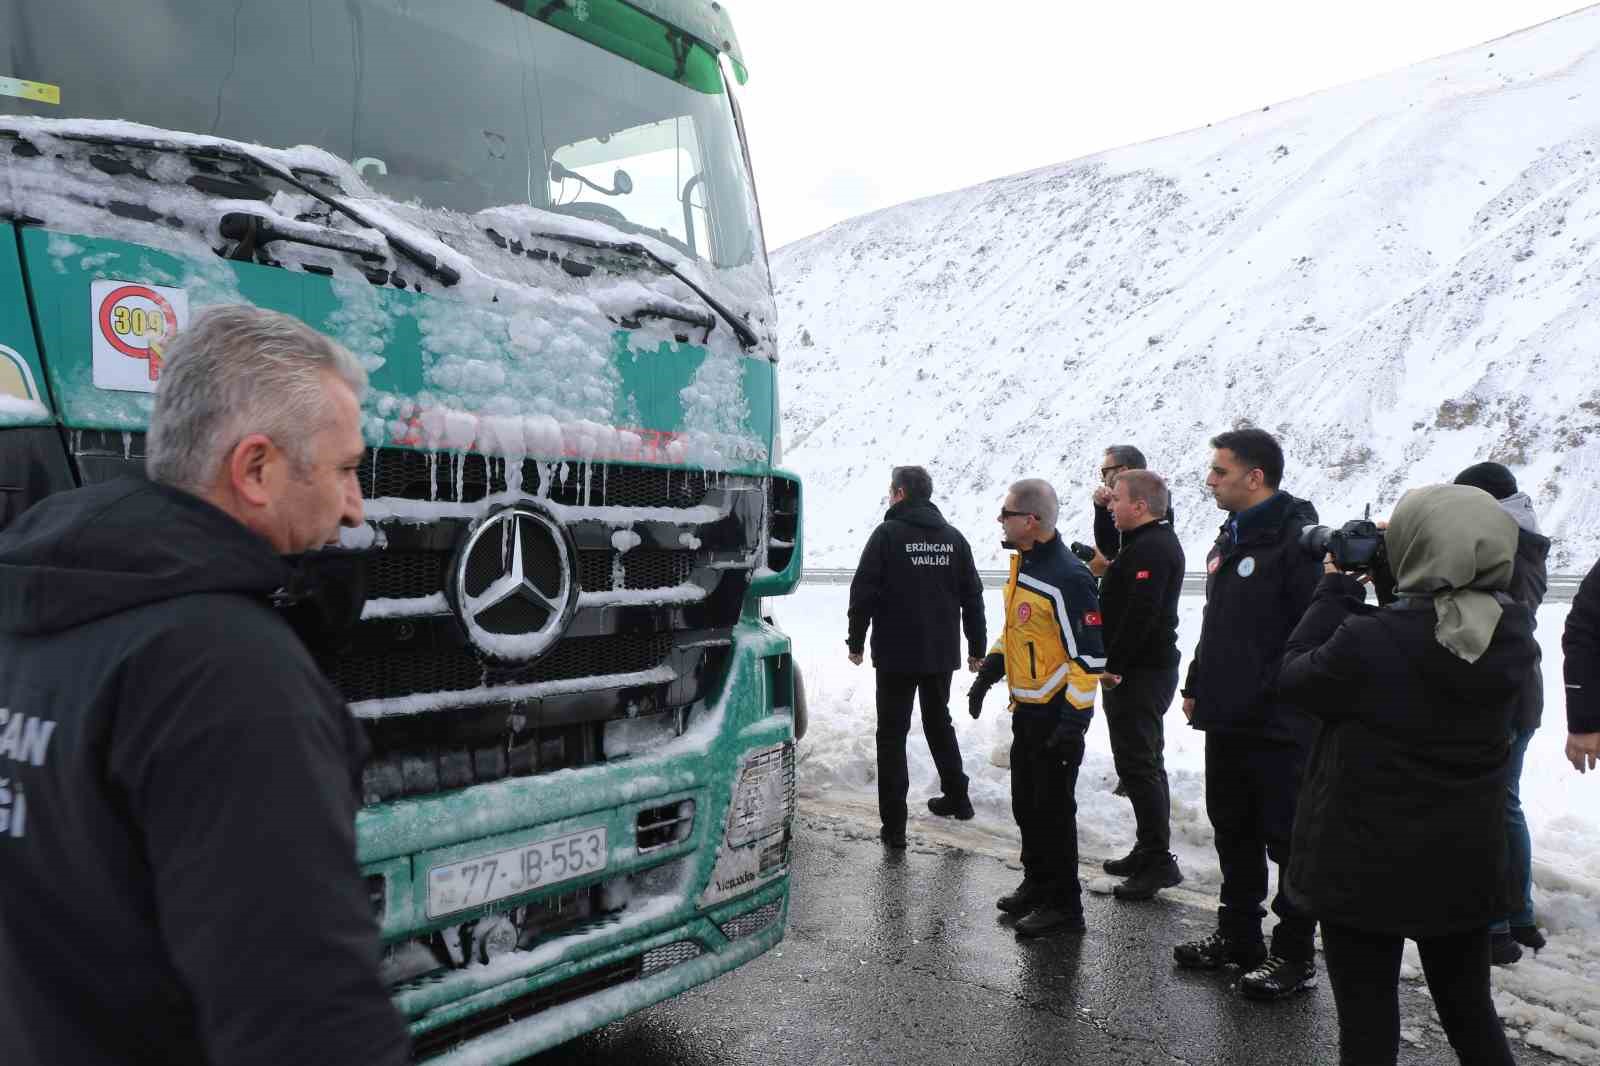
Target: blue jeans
[{"x": 1519, "y": 846}]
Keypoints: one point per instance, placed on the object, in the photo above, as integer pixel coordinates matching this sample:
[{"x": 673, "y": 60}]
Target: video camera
[
  {"x": 1082, "y": 551},
  {"x": 1357, "y": 547}
]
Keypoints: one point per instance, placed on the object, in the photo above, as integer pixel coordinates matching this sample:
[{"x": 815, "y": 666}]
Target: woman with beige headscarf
[{"x": 1400, "y": 828}]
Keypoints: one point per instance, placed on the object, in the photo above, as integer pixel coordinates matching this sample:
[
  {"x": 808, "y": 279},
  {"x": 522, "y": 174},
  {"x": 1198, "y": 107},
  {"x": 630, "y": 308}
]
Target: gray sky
[{"x": 854, "y": 105}]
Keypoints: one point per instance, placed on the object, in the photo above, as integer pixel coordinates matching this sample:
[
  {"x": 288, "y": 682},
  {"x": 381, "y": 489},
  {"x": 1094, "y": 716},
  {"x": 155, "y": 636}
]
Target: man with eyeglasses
[
  {"x": 1051, "y": 656},
  {"x": 1107, "y": 538}
]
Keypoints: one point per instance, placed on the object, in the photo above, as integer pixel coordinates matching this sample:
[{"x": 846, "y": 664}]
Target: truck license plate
[{"x": 474, "y": 882}]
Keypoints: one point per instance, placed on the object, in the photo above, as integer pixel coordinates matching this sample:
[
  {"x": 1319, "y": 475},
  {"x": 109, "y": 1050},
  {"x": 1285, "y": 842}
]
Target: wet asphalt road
[{"x": 902, "y": 958}]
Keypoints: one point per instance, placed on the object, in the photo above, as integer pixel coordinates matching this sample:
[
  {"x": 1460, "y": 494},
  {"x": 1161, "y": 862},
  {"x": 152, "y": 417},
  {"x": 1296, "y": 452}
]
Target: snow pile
[
  {"x": 1551, "y": 1001},
  {"x": 1396, "y": 276}
]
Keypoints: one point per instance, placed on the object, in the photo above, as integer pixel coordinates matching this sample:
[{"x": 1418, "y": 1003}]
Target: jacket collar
[{"x": 1261, "y": 522}]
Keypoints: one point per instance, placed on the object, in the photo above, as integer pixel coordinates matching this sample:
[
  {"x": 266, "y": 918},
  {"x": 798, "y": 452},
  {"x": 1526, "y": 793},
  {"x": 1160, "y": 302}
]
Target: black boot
[
  {"x": 1024, "y": 898},
  {"x": 1126, "y": 866},
  {"x": 1503, "y": 949},
  {"x": 1217, "y": 950},
  {"x": 1278, "y": 977},
  {"x": 1158, "y": 872},
  {"x": 957, "y": 807},
  {"x": 1528, "y": 936},
  {"x": 1051, "y": 918},
  {"x": 895, "y": 841}
]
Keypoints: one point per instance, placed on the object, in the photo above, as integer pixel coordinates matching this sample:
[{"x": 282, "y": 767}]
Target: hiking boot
[
  {"x": 1023, "y": 899},
  {"x": 1120, "y": 790},
  {"x": 1158, "y": 873},
  {"x": 1051, "y": 918},
  {"x": 1126, "y": 866},
  {"x": 1217, "y": 950},
  {"x": 1528, "y": 936},
  {"x": 891, "y": 839},
  {"x": 1278, "y": 977},
  {"x": 959, "y": 808},
  {"x": 1503, "y": 949}
]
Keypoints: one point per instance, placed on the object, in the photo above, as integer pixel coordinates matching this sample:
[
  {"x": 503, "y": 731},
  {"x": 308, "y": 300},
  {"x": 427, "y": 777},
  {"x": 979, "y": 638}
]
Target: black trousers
[
  {"x": 895, "y": 694},
  {"x": 1364, "y": 969},
  {"x": 1134, "y": 713},
  {"x": 1043, "y": 783},
  {"x": 1252, "y": 785}
]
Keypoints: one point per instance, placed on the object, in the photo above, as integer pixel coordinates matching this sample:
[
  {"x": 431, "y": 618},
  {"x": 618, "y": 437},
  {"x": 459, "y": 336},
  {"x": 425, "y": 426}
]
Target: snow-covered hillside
[{"x": 1399, "y": 277}]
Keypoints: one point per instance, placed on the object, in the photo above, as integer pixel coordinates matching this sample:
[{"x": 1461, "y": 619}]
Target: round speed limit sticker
[{"x": 132, "y": 323}]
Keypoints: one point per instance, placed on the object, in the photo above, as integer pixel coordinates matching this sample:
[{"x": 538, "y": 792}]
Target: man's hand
[
  {"x": 1110, "y": 680},
  {"x": 1583, "y": 751},
  {"x": 1102, "y": 496},
  {"x": 855, "y": 657},
  {"x": 1188, "y": 708},
  {"x": 973, "y": 662},
  {"x": 1099, "y": 564}
]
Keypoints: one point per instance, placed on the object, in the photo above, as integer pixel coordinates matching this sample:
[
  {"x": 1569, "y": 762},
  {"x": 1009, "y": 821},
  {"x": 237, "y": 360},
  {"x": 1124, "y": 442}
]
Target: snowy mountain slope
[{"x": 1399, "y": 277}]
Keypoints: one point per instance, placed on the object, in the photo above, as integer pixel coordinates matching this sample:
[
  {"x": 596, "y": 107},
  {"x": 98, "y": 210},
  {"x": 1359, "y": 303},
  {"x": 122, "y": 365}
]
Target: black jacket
[
  {"x": 1400, "y": 822},
  {"x": 1529, "y": 581},
  {"x": 178, "y": 880},
  {"x": 1256, "y": 590},
  {"x": 1580, "y": 648},
  {"x": 917, "y": 587},
  {"x": 1107, "y": 537},
  {"x": 1139, "y": 600}
]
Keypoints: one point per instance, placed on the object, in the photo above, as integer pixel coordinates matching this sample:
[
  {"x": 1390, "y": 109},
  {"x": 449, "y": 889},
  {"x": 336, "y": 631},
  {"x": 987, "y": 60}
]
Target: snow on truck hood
[{"x": 521, "y": 310}]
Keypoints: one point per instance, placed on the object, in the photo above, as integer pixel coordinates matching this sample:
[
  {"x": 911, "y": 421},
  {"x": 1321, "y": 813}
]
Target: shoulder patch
[
  {"x": 1143, "y": 575},
  {"x": 1091, "y": 618}
]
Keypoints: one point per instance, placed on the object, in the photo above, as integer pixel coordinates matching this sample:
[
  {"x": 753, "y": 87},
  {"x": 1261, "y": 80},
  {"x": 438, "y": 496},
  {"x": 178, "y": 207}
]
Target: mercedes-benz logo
[{"x": 515, "y": 582}]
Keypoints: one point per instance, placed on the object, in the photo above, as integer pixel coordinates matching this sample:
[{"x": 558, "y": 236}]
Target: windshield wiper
[
  {"x": 741, "y": 329},
  {"x": 439, "y": 271}
]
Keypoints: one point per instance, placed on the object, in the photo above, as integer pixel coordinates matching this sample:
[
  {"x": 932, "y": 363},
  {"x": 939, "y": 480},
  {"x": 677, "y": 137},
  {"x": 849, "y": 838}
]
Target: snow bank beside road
[{"x": 1551, "y": 1002}]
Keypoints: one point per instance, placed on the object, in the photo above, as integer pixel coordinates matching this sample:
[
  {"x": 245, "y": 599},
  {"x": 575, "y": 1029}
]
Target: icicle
[
  {"x": 127, "y": 445},
  {"x": 433, "y": 475},
  {"x": 458, "y": 468},
  {"x": 605, "y": 476},
  {"x": 372, "y": 493}
]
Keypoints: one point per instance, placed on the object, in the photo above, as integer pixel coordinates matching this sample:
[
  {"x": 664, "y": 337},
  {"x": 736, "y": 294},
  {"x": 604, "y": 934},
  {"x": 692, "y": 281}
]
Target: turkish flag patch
[
  {"x": 1091, "y": 618},
  {"x": 1143, "y": 575}
]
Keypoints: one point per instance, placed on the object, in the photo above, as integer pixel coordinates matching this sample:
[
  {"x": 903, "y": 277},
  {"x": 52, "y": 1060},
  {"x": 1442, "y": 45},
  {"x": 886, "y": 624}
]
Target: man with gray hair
[
  {"x": 184, "y": 886},
  {"x": 1139, "y": 594},
  {"x": 918, "y": 589},
  {"x": 1050, "y": 656}
]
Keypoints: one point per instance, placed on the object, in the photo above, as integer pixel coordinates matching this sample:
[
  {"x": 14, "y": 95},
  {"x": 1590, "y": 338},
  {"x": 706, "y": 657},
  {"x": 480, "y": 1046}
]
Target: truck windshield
[{"x": 460, "y": 105}]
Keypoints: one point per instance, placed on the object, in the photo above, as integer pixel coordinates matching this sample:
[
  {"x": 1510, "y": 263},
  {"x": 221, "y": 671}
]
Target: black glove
[
  {"x": 1066, "y": 731},
  {"x": 992, "y": 670},
  {"x": 980, "y": 688}
]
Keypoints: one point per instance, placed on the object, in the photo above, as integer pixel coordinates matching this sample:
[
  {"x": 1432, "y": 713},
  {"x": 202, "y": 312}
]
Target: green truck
[{"x": 536, "y": 225}]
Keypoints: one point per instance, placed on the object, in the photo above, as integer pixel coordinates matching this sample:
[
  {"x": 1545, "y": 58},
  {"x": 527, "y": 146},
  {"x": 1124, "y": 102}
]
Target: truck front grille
[{"x": 387, "y": 673}]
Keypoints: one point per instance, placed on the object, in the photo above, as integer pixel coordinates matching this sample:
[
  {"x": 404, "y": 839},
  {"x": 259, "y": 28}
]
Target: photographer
[
  {"x": 1107, "y": 537},
  {"x": 1400, "y": 832}
]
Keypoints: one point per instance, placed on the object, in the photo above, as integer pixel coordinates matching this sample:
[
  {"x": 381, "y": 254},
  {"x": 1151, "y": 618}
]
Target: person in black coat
[
  {"x": 917, "y": 588},
  {"x": 1529, "y": 580},
  {"x": 1400, "y": 829},
  {"x": 1107, "y": 537},
  {"x": 178, "y": 876},
  {"x": 1580, "y": 649},
  {"x": 1139, "y": 604},
  {"x": 1258, "y": 583}
]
